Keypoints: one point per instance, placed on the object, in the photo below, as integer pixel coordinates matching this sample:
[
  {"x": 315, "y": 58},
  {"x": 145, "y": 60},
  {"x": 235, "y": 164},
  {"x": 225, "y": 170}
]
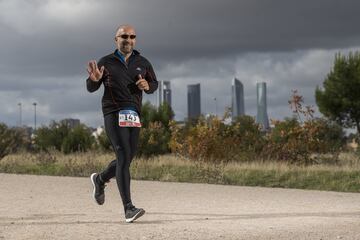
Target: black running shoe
[
  {"x": 133, "y": 213},
  {"x": 98, "y": 192}
]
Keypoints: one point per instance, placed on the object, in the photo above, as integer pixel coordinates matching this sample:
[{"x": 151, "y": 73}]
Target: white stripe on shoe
[
  {"x": 139, "y": 214},
  {"x": 93, "y": 183}
]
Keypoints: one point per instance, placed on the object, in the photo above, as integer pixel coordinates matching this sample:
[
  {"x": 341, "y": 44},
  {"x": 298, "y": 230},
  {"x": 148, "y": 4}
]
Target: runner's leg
[
  {"x": 120, "y": 140},
  {"x": 110, "y": 171}
]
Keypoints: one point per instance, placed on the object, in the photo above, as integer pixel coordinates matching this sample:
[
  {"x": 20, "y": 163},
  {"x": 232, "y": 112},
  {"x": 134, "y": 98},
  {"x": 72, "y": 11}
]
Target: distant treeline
[{"x": 296, "y": 140}]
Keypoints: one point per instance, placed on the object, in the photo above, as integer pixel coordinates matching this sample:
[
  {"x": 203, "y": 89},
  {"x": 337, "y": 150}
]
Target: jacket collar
[{"x": 121, "y": 57}]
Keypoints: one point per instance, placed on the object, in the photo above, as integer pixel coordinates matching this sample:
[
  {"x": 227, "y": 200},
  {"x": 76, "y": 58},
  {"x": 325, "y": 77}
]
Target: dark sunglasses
[{"x": 126, "y": 36}]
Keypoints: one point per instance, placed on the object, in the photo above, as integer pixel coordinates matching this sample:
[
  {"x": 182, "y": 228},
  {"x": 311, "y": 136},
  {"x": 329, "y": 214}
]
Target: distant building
[
  {"x": 237, "y": 98},
  {"x": 167, "y": 93},
  {"x": 262, "y": 116},
  {"x": 164, "y": 92},
  {"x": 98, "y": 131},
  {"x": 193, "y": 98},
  {"x": 70, "y": 122}
]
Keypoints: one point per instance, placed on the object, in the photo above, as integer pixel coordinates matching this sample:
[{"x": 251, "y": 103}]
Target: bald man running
[{"x": 125, "y": 74}]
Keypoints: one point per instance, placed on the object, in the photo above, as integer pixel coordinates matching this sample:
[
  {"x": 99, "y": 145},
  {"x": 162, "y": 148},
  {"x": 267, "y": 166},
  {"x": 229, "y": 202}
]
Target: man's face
[{"x": 125, "y": 39}]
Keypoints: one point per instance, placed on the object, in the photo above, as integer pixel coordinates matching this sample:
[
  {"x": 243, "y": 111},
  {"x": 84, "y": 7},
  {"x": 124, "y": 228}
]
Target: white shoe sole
[
  {"x": 92, "y": 181},
  {"x": 139, "y": 214}
]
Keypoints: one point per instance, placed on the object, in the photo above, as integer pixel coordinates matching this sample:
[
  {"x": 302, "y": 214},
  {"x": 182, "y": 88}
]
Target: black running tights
[{"x": 124, "y": 141}]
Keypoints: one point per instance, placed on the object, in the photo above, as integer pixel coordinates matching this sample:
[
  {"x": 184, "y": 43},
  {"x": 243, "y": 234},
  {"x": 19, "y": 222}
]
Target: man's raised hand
[
  {"x": 142, "y": 83},
  {"x": 95, "y": 74}
]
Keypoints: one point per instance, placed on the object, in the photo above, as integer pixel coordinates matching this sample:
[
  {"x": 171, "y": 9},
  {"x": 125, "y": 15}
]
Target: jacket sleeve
[
  {"x": 151, "y": 78},
  {"x": 92, "y": 86}
]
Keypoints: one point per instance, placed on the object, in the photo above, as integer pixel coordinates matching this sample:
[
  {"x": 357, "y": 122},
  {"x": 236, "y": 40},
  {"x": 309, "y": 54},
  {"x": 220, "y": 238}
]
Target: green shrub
[
  {"x": 155, "y": 132},
  {"x": 51, "y": 137},
  {"x": 153, "y": 140},
  {"x": 13, "y": 140},
  {"x": 297, "y": 139},
  {"x": 214, "y": 141},
  {"x": 103, "y": 142},
  {"x": 61, "y": 137},
  {"x": 150, "y": 114},
  {"x": 79, "y": 139},
  {"x": 290, "y": 142}
]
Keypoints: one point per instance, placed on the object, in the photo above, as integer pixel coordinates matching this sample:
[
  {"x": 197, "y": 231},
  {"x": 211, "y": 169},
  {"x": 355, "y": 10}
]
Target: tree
[
  {"x": 148, "y": 112},
  {"x": 163, "y": 114},
  {"x": 6, "y": 140},
  {"x": 61, "y": 137},
  {"x": 52, "y": 136},
  {"x": 339, "y": 99},
  {"x": 103, "y": 142},
  {"x": 155, "y": 133},
  {"x": 12, "y": 139},
  {"x": 78, "y": 139}
]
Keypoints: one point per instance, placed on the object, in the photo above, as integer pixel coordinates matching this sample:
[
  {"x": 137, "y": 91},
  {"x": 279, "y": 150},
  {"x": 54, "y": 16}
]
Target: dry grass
[
  {"x": 344, "y": 175},
  {"x": 26, "y": 158},
  {"x": 347, "y": 161}
]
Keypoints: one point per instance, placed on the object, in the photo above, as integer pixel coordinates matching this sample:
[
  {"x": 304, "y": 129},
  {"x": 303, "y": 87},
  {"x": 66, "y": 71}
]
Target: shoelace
[{"x": 132, "y": 208}]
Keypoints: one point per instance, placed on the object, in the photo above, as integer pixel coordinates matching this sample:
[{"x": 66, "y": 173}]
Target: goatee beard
[{"x": 126, "y": 49}]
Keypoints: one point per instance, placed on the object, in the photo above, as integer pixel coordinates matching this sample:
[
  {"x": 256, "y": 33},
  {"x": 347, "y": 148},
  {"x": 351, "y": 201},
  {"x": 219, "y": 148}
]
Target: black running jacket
[{"x": 119, "y": 78}]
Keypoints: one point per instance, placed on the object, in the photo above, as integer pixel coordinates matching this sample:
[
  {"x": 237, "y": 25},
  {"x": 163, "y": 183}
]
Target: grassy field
[{"x": 342, "y": 176}]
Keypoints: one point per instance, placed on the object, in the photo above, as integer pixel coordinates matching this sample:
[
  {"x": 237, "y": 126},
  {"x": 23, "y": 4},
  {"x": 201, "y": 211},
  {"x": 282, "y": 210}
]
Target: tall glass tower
[
  {"x": 164, "y": 93},
  {"x": 262, "y": 116},
  {"x": 193, "y": 98},
  {"x": 167, "y": 92},
  {"x": 237, "y": 99}
]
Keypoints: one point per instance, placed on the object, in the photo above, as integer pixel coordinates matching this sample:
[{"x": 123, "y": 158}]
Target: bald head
[
  {"x": 125, "y": 39},
  {"x": 125, "y": 28}
]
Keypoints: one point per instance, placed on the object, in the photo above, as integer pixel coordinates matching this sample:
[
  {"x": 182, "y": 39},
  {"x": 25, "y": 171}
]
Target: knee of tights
[
  {"x": 122, "y": 163},
  {"x": 120, "y": 152}
]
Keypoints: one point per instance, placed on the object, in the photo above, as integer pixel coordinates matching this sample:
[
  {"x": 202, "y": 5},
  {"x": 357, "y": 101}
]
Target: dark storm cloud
[{"x": 46, "y": 33}]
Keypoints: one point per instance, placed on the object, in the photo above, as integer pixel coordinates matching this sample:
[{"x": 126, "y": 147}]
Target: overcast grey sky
[{"x": 289, "y": 44}]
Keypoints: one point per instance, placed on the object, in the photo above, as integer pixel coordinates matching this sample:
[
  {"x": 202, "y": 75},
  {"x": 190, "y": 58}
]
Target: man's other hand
[{"x": 95, "y": 74}]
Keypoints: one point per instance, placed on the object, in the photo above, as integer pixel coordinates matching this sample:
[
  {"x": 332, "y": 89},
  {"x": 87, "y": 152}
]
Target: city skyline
[{"x": 193, "y": 100}]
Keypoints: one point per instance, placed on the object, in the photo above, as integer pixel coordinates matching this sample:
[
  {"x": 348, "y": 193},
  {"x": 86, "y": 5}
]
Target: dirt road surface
[{"x": 44, "y": 207}]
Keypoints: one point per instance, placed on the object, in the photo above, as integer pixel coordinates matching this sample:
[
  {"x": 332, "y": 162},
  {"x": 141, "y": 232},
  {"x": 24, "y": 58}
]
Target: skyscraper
[
  {"x": 160, "y": 93},
  {"x": 262, "y": 116},
  {"x": 237, "y": 98},
  {"x": 193, "y": 97},
  {"x": 164, "y": 92},
  {"x": 167, "y": 93}
]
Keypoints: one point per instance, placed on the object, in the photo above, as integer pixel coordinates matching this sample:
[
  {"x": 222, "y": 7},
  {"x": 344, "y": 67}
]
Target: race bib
[{"x": 129, "y": 118}]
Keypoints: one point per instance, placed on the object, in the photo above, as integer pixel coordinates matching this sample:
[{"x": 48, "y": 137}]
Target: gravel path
[{"x": 44, "y": 207}]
